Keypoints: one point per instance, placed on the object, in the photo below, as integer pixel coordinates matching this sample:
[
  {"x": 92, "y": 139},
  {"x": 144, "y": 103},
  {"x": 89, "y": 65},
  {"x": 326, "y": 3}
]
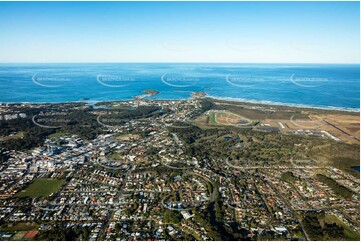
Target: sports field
[
  {"x": 19, "y": 235},
  {"x": 228, "y": 118},
  {"x": 41, "y": 188}
]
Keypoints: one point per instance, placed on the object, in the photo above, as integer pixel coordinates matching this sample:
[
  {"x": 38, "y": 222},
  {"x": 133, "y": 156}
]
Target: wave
[
  {"x": 265, "y": 102},
  {"x": 243, "y": 100}
]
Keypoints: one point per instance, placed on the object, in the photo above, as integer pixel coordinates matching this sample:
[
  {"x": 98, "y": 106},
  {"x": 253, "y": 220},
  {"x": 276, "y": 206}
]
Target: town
[{"x": 196, "y": 169}]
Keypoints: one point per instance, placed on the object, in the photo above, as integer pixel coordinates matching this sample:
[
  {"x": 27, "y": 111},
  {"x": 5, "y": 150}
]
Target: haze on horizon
[{"x": 250, "y": 32}]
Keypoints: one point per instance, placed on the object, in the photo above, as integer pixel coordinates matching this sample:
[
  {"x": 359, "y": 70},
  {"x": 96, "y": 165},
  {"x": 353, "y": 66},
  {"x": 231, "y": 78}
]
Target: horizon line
[{"x": 180, "y": 62}]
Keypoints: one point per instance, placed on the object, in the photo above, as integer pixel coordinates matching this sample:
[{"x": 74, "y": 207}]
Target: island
[{"x": 198, "y": 94}]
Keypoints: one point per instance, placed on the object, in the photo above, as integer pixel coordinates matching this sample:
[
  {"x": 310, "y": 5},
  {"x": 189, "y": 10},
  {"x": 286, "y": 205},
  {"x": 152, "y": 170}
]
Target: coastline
[
  {"x": 337, "y": 96},
  {"x": 226, "y": 99},
  {"x": 281, "y": 104}
]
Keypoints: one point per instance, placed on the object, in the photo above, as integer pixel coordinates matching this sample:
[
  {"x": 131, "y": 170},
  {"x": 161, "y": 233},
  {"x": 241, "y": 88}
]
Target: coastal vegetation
[
  {"x": 320, "y": 226},
  {"x": 83, "y": 123},
  {"x": 337, "y": 188},
  {"x": 289, "y": 177}
]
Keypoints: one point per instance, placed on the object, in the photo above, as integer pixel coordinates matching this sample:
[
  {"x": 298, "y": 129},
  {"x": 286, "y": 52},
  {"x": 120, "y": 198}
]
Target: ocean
[{"x": 329, "y": 86}]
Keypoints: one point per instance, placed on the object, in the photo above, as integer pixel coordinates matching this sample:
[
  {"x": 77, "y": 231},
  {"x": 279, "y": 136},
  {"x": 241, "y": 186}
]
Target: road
[
  {"x": 271, "y": 167},
  {"x": 290, "y": 208},
  {"x": 343, "y": 131}
]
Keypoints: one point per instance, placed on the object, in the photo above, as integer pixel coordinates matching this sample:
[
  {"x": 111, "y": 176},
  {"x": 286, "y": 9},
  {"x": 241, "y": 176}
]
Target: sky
[{"x": 241, "y": 32}]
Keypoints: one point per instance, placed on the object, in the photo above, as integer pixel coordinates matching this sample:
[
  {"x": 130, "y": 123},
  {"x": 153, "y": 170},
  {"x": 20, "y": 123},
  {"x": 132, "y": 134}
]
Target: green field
[
  {"x": 349, "y": 233},
  {"x": 115, "y": 156},
  {"x": 18, "y": 135},
  {"x": 212, "y": 119},
  {"x": 20, "y": 227},
  {"x": 41, "y": 188},
  {"x": 57, "y": 134},
  {"x": 19, "y": 235}
]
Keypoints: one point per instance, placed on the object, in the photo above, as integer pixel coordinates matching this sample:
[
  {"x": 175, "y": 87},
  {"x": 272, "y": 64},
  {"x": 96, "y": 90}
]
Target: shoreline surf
[{"x": 227, "y": 99}]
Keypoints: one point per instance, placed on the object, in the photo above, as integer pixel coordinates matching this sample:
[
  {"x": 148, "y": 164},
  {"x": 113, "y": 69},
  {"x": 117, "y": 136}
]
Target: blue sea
[{"x": 310, "y": 85}]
